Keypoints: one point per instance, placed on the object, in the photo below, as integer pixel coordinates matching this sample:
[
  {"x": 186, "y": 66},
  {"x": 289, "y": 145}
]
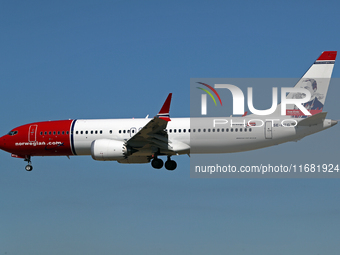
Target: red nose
[{"x": 2, "y": 143}]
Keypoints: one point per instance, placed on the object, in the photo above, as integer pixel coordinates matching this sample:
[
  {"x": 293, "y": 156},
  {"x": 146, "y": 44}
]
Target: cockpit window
[{"x": 13, "y": 132}]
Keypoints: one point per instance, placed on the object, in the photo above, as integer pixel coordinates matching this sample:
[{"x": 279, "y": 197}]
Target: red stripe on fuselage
[{"x": 48, "y": 138}]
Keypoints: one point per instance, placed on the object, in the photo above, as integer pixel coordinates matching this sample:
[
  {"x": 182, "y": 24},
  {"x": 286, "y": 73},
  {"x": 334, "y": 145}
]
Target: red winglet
[
  {"x": 327, "y": 55},
  {"x": 164, "y": 112}
]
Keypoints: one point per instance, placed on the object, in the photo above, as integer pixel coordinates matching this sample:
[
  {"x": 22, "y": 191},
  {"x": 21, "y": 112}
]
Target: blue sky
[{"x": 115, "y": 59}]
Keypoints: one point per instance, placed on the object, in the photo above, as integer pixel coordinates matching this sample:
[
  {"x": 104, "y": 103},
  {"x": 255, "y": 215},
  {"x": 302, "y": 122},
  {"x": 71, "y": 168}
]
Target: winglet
[{"x": 164, "y": 112}]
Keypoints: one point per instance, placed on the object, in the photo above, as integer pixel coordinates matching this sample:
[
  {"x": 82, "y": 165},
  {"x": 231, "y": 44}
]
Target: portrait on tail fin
[
  {"x": 316, "y": 80},
  {"x": 314, "y": 105}
]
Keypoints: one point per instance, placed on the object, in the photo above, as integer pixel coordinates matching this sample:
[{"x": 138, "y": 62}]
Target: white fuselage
[{"x": 198, "y": 135}]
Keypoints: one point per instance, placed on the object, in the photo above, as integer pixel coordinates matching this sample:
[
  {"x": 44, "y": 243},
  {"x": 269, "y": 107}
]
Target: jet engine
[{"x": 106, "y": 149}]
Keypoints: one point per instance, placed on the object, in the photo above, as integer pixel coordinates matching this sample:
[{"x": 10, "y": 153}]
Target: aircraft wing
[{"x": 153, "y": 134}]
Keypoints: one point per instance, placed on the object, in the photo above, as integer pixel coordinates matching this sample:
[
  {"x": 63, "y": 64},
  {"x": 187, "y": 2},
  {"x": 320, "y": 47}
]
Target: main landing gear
[
  {"x": 29, "y": 167},
  {"x": 169, "y": 164}
]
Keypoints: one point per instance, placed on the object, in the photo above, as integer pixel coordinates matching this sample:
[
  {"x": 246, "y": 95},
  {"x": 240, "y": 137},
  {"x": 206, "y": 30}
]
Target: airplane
[{"x": 144, "y": 140}]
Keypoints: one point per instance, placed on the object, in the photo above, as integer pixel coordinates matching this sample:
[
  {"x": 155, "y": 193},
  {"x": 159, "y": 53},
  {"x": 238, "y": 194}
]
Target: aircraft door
[
  {"x": 133, "y": 131},
  {"x": 32, "y": 133},
  {"x": 268, "y": 130}
]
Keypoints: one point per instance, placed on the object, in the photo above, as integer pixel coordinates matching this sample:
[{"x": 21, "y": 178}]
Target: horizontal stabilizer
[{"x": 313, "y": 120}]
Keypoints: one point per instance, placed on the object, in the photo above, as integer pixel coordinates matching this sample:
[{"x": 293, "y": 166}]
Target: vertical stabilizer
[{"x": 316, "y": 80}]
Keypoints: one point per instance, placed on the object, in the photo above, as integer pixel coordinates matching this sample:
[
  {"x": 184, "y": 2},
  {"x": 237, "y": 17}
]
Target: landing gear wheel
[
  {"x": 170, "y": 165},
  {"x": 157, "y": 163},
  {"x": 28, "y": 168}
]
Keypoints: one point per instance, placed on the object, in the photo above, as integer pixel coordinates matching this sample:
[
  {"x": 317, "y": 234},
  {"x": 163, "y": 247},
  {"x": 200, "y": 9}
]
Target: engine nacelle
[{"x": 106, "y": 149}]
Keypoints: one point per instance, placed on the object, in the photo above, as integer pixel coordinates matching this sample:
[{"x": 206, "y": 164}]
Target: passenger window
[
  {"x": 198, "y": 130},
  {"x": 203, "y": 129},
  {"x": 101, "y": 131},
  {"x": 58, "y": 132},
  {"x": 179, "y": 130},
  {"x": 231, "y": 130},
  {"x": 110, "y": 132},
  {"x": 54, "y": 132},
  {"x": 236, "y": 129},
  {"x": 175, "y": 130},
  {"x": 184, "y": 130},
  {"x": 249, "y": 129},
  {"x": 67, "y": 132},
  {"x": 45, "y": 133},
  {"x": 92, "y": 132},
  {"x": 50, "y": 133},
  {"x": 86, "y": 132},
  {"x": 63, "y": 132},
  {"x": 81, "y": 132}
]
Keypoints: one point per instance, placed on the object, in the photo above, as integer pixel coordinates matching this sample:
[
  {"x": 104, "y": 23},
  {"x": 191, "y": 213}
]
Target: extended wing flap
[
  {"x": 153, "y": 133},
  {"x": 155, "y": 126}
]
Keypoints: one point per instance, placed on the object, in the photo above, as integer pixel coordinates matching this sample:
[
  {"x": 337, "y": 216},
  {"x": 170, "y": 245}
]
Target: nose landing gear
[{"x": 29, "y": 167}]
